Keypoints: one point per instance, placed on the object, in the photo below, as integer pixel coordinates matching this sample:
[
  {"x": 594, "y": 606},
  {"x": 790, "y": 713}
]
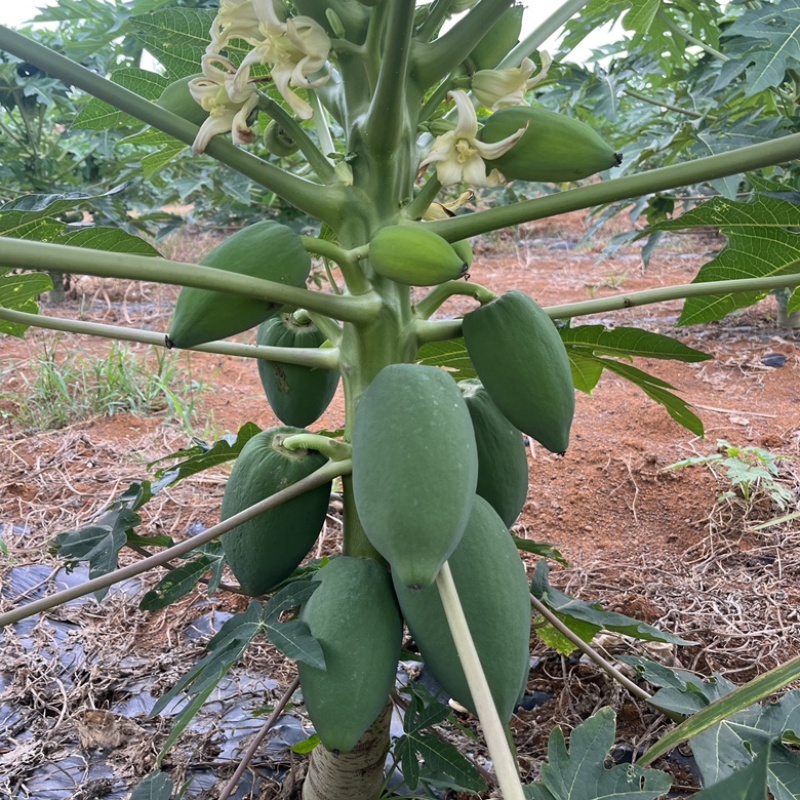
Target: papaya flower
[
  {"x": 211, "y": 92},
  {"x": 297, "y": 49},
  {"x": 502, "y": 88},
  {"x": 236, "y": 19},
  {"x": 438, "y": 210},
  {"x": 459, "y": 154}
]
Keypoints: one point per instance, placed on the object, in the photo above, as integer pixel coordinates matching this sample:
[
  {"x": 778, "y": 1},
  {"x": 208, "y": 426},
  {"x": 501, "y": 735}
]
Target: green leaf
[
  {"x": 543, "y": 549},
  {"x": 225, "y": 649},
  {"x": 776, "y": 27},
  {"x": 581, "y": 774},
  {"x": 586, "y": 371},
  {"x": 177, "y": 37},
  {"x": 156, "y": 786},
  {"x": 749, "y": 783},
  {"x": 153, "y": 163},
  {"x": 307, "y": 745},
  {"x": 641, "y": 16},
  {"x": 176, "y": 583},
  {"x": 35, "y": 227},
  {"x": 444, "y": 766},
  {"x": 556, "y": 640},
  {"x": 570, "y": 611},
  {"x": 112, "y": 239},
  {"x": 762, "y": 242},
  {"x": 51, "y": 205},
  {"x": 99, "y": 544},
  {"x": 293, "y": 638},
  {"x": 21, "y": 293},
  {"x": 202, "y": 456},
  {"x": 451, "y": 355},
  {"x": 98, "y": 115},
  {"x": 624, "y": 341},
  {"x": 658, "y": 390}
]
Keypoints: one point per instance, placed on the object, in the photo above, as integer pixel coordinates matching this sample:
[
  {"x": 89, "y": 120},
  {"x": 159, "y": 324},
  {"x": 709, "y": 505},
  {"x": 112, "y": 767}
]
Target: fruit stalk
[{"x": 507, "y": 775}]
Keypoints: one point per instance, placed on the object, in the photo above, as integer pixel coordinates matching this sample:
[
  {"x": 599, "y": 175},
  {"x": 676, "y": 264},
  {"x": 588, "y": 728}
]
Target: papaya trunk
[{"x": 357, "y": 775}]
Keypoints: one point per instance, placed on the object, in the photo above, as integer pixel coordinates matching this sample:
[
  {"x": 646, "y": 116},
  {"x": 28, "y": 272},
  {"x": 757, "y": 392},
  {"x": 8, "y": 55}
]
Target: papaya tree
[{"x": 391, "y": 119}]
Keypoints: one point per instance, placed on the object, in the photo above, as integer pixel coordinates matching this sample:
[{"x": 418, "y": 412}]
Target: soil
[{"x": 655, "y": 543}]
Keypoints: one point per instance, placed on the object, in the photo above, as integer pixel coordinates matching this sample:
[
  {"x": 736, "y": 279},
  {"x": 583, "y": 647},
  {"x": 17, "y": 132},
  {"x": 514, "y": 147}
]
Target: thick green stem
[
  {"x": 535, "y": 39},
  {"x": 438, "y": 14},
  {"x": 426, "y": 195},
  {"x": 315, "y": 358},
  {"x": 745, "y": 159},
  {"x": 17, "y": 253},
  {"x": 318, "y": 201},
  {"x": 325, "y": 474}
]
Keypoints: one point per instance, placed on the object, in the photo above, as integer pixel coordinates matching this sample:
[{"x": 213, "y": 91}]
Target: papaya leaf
[
  {"x": 225, "y": 649},
  {"x": 451, "y": 355},
  {"x": 34, "y": 227},
  {"x": 202, "y": 456},
  {"x": 586, "y": 371},
  {"x": 156, "y": 786},
  {"x": 20, "y": 293},
  {"x": 420, "y": 714},
  {"x": 293, "y": 638},
  {"x": 177, "y": 37},
  {"x": 97, "y": 115},
  {"x": 657, "y": 390},
  {"x": 581, "y": 773},
  {"x": 99, "y": 544},
  {"x": 625, "y": 341},
  {"x": 307, "y": 745},
  {"x": 569, "y": 609},
  {"x": 114, "y": 240},
  {"x": 776, "y": 29},
  {"x": 748, "y": 783},
  {"x": 176, "y": 583},
  {"x": 444, "y": 767},
  {"x": 153, "y": 163},
  {"x": 762, "y": 241},
  {"x": 57, "y": 203},
  {"x": 542, "y": 549},
  {"x": 556, "y": 640}
]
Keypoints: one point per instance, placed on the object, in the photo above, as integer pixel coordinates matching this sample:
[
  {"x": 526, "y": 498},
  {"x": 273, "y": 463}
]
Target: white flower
[
  {"x": 296, "y": 48},
  {"x": 501, "y": 88},
  {"x": 459, "y": 154},
  {"x": 212, "y": 93},
  {"x": 236, "y": 19}
]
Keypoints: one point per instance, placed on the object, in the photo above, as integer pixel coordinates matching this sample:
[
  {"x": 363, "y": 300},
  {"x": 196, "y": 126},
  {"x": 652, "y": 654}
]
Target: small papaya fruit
[
  {"x": 278, "y": 142},
  {"x": 268, "y": 548},
  {"x": 555, "y": 148},
  {"x": 177, "y": 98},
  {"x": 464, "y": 250},
  {"x": 415, "y": 468},
  {"x": 521, "y": 360},
  {"x": 502, "y": 457},
  {"x": 298, "y": 395},
  {"x": 265, "y": 250},
  {"x": 493, "y": 589},
  {"x": 355, "y": 618},
  {"x": 414, "y": 256},
  {"x": 499, "y": 39}
]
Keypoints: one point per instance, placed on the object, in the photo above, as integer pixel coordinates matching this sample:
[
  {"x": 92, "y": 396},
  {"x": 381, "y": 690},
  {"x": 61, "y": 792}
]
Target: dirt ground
[{"x": 654, "y": 543}]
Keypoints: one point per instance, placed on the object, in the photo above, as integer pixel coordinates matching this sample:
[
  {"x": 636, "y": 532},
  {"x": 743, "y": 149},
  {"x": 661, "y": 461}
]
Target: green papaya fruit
[
  {"x": 178, "y": 99},
  {"x": 265, "y": 250},
  {"x": 268, "y": 548},
  {"x": 355, "y": 618},
  {"x": 554, "y": 148},
  {"x": 499, "y": 39},
  {"x": 502, "y": 457},
  {"x": 278, "y": 142},
  {"x": 493, "y": 588},
  {"x": 414, "y": 256},
  {"x": 464, "y": 250},
  {"x": 415, "y": 468},
  {"x": 298, "y": 395},
  {"x": 521, "y": 360}
]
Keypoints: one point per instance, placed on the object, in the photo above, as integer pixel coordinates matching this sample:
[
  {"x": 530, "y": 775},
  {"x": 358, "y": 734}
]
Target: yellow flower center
[{"x": 464, "y": 150}]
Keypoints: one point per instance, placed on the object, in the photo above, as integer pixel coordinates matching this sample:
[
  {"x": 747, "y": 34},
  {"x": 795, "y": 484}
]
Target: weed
[
  {"x": 65, "y": 386},
  {"x": 753, "y": 474}
]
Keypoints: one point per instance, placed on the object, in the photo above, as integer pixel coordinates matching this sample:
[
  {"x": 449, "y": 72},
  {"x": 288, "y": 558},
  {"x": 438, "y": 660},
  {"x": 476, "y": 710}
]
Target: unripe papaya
[
  {"x": 464, "y": 250},
  {"x": 178, "y": 99},
  {"x": 415, "y": 256},
  {"x": 265, "y": 250},
  {"x": 493, "y": 589},
  {"x": 355, "y": 618},
  {"x": 268, "y": 548},
  {"x": 502, "y": 458},
  {"x": 521, "y": 360},
  {"x": 415, "y": 468},
  {"x": 278, "y": 142},
  {"x": 499, "y": 39},
  {"x": 298, "y": 395},
  {"x": 554, "y": 148}
]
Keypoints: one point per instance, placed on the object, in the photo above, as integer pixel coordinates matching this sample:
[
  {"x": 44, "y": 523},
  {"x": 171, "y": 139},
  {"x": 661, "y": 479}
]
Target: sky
[{"x": 15, "y": 12}]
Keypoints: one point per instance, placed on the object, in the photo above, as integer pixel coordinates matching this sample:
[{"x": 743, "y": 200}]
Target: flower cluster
[
  {"x": 459, "y": 154},
  {"x": 296, "y": 49}
]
